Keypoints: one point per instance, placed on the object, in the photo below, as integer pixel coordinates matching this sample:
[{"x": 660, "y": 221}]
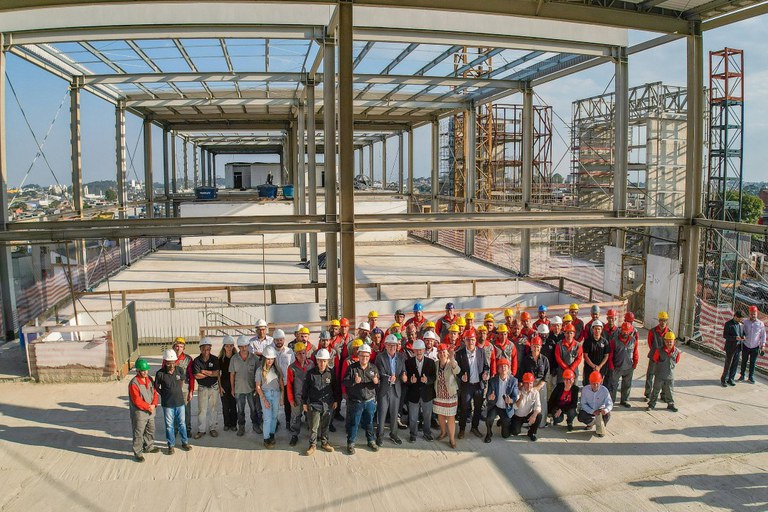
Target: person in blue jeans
[
  {"x": 269, "y": 387},
  {"x": 361, "y": 382},
  {"x": 168, "y": 382}
]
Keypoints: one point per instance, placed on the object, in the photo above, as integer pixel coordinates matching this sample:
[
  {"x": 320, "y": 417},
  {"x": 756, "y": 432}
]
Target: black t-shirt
[
  {"x": 168, "y": 386},
  {"x": 212, "y": 365}
]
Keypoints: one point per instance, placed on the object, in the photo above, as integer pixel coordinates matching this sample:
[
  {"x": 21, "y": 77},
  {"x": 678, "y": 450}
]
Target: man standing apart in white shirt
[{"x": 752, "y": 346}]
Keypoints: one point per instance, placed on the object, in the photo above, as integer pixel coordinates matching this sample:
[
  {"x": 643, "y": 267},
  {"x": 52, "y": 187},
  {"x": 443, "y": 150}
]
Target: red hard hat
[
  {"x": 568, "y": 374},
  {"x": 502, "y": 361},
  {"x": 536, "y": 340},
  {"x": 569, "y": 328},
  {"x": 612, "y": 313},
  {"x": 629, "y": 317},
  {"x": 468, "y": 334},
  {"x": 595, "y": 377},
  {"x": 525, "y": 315},
  {"x": 528, "y": 377},
  {"x": 753, "y": 309},
  {"x": 443, "y": 346},
  {"x": 626, "y": 328},
  {"x": 344, "y": 322}
]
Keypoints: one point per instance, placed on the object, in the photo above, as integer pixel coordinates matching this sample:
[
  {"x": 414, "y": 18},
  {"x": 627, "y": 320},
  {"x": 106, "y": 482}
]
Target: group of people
[
  {"x": 415, "y": 375},
  {"x": 745, "y": 338}
]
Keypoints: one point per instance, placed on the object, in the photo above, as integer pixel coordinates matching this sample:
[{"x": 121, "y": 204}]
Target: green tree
[
  {"x": 110, "y": 195},
  {"x": 557, "y": 178},
  {"x": 751, "y": 206}
]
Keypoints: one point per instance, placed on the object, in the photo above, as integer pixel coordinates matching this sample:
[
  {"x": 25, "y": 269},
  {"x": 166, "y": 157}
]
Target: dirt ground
[{"x": 67, "y": 447}]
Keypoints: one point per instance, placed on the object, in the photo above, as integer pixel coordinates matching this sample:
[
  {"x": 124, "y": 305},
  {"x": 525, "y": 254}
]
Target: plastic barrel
[
  {"x": 267, "y": 191},
  {"x": 288, "y": 191}
]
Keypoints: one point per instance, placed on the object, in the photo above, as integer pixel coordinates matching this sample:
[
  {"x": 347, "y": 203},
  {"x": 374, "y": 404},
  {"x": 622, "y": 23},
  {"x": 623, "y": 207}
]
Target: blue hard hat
[
  {"x": 450, "y": 306},
  {"x": 542, "y": 308},
  {"x": 418, "y": 307}
]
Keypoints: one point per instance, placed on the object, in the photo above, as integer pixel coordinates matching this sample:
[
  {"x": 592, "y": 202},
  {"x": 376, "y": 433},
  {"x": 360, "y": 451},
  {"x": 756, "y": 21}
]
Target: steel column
[
  {"x": 620, "y": 142},
  {"x": 346, "y": 160},
  {"x": 149, "y": 189},
  {"x": 435, "y": 163},
  {"x": 166, "y": 174},
  {"x": 186, "y": 164},
  {"x": 7, "y": 284},
  {"x": 526, "y": 178},
  {"x": 360, "y": 160},
  {"x": 77, "y": 168},
  {"x": 174, "y": 170},
  {"x": 195, "y": 166},
  {"x": 301, "y": 182},
  {"x": 400, "y": 160},
  {"x": 312, "y": 172},
  {"x": 329, "y": 164},
  {"x": 203, "y": 173},
  {"x": 122, "y": 193},
  {"x": 410, "y": 171},
  {"x": 370, "y": 163},
  {"x": 212, "y": 168},
  {"x": 470, "y": 170},
  {"x": 384, "y": 163},
  {"x": 693, "y": 179}
]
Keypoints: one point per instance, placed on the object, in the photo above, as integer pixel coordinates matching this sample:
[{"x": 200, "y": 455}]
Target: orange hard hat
[
  {"x": 568, "y": 374},
  {"x": 569, "y": 328},
  {"x": 344, "y": 322},
  {"x": 528, "y": 377},
  {"x": 525, "y": 315},
  {"x": 595, "y": 377}
]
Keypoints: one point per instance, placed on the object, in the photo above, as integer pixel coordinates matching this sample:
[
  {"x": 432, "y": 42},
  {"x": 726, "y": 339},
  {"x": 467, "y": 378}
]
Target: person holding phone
[{"x": 500, "y": 398}]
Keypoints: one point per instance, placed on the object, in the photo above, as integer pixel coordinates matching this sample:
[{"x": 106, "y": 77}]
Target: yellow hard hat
[
  {"x": 482, "y": 328},
  {"x": 461, "y": 322},
  {"x": 357, "y": 343},
  {"x": 335, "y": 323},
  {"x": 373, "y": 314},
  {"x": 574, "y": 306},
  {"x": 304, "y": 330},
  {"x": 180, "y": 340},
  {"x": 453, "y": 328},
  {"x": 663, "y": 315},
  {"x": 394, "y": 325},
  {"x": 299, "y": 347},
  {"x": 567, "y": 318},
  {"x": 502, "y": 328},
  {"x": 509, "y": 312},
  {"x": 489, "y": 316},
  {"x": 669, "y": 336},
  {"x": 469, "y": 316},
  {"x": 429, "y": 324}
]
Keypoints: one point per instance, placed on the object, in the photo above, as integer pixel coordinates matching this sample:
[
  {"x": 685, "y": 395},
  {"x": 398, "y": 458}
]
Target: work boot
[
  {"x": 476, "y": 431},
  {"x": 327, "y": 447},
  {"x": 740, "y": 379},
  {"x": 532, "y": 437},
  {"x": 241, "y": 430},
  {"x": 395, "y": 439},
  {"x": 199, "y": 435},
  {"x": 214, "y": 433},
  {"x": 488, "y": 437},
  {"x": 294, "y": 440},
  {"x": 310, "y": 451},
  {"x": 170, "y": 450},
  {"x": 411, "y": 438},
  {"x": 186, "y": 447},
  {"x": 570, "y": 428},
  {"x": 672, "y": 408},
  {"x": 351, "y": 448},
  {"x": 373, "y": 446},
  {"x": 138, "y": 458},
  {"x": 379, "y": 441},
  {"x": 331, "y": 428},
  {"x": 461, "y": 433},
  {"x": 154, "y": 449},
  {"x": 427, "y": 436},
  {"x": 268, "y": 444}
]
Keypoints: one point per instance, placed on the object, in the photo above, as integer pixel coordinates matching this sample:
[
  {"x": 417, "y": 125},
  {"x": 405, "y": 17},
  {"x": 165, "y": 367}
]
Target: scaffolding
[{"x": 724, "y": 176}]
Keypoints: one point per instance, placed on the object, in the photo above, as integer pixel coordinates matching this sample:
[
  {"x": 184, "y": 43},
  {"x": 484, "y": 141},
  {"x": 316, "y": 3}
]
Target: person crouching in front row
[
  {"x": 596, "y": 404},
  {"x": 501, "y": 397}
]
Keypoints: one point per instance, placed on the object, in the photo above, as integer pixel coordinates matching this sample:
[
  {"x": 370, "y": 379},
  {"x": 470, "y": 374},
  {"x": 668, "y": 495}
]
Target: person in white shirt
[
  {"x": 596, "y": 404},
  {"x": 430, "y": 340},
  {"x": 261, "y": 341},
  {"x": 527, "y": 408},
  {"x": 752, "y": 346},
  {"x": 285, "y": 357}
]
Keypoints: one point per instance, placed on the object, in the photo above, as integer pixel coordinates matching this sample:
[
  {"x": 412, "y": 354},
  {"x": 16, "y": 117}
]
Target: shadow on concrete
[
  {"x": 731, "y": 492},
  {"x": 114, "y": 421},
  {"x": 713, "y": 431},
  {"x": 63, "y": 439}
]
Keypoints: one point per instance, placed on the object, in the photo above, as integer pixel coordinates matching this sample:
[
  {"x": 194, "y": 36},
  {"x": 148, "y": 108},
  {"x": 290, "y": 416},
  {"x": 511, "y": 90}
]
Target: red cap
[
  {"x": 468, "y": 334},
  {"x": 595, "y": 377},
  {"x": 568, "y": 374},
  {"x": 569, "y": 328},
  {"x": 629, "y": 317},
  {"x": 502, "y": 361},
  {"x": 528, "y": 377},
  {"x": 443, "y": 346},
  {"x": 536, "y": 340},
  {"x": 753, "y": 309},
  {"x": 344, "y": 322},
  {"x": 525, "y": 315},
  {"x": 626, "y": 328},
  {"x": 612, "y": 313}
]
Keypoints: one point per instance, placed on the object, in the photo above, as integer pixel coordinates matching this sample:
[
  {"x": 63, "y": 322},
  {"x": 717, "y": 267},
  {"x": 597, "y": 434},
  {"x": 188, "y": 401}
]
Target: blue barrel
[
  {"x": 206, "y": 193},
  {"x": 288, "y": 191},
  {"x": 267, "y": 191}
]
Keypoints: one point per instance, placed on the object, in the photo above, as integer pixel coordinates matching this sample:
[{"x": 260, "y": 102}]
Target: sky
[{"x": 40, "y": 100}]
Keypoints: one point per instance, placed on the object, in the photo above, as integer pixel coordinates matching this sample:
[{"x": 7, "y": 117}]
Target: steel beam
[
  {"x": 312, "y": 172},
  {"x": 203, "y": 174},
  {"x": 435, "y": 170},
  {"x": 329, "y": 164},
  {"x": 174, "y": 170},
  {"x": 195, "y": 166},
  {"x": 410, "y": 170},
  {"x": 122, "y": 193},
  {"x": 149, "y": 192},
  {"x": 526, "y": 178},
  {"x": 400, "y": 169},
  {"x": 301, "y": 182},
  {"x": 166, "y": 174},
  {"x": 620, "y": 142},
  {"x": 186, "y": 164},
  {"x": 7, "y": 283},
  {"x": 77, "y": 155},
  {"x": 470, "y": 172},
  {"x": 384, "y": 163}
]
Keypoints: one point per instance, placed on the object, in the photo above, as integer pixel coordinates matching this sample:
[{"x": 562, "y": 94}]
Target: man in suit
[
  {"x": 474, "y": 371},
  {"x": 501, "y": 396},
  {"x": 421, "y": 374},
  {"x": 733, "y": 332},
  {"x": 391, "y": 365}
]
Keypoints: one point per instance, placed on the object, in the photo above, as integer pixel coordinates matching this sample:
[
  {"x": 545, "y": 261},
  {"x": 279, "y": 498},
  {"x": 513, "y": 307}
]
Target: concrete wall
[
  {"x": 663, "y": 290},
  {"x": 233, "y": 209},
  {"x": 72, "y": 361}
]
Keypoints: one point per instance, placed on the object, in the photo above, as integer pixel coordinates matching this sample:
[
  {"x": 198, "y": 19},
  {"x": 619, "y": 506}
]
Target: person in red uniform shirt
[
  {"x": 665, "y": 360},
  {"x": 568, "y": 353},
  {"x": 504, "y": 349},
  {"x": 453, "y": 338},
  {"x": 542, "y": 320},
  {"x": 622, "y": 361},
  {"x": 143, "y": 402},
  {"x": 489, "y": 324},
  {"x": 418, "y": 318},
  {"x": 611, "y": 327},
  {"x": 484, "y": 344},
  {"x": 655, "y": 343},
  {"x": 594, "y": 313},
  {"x": 442, "y": 325},
  {"x": 573, "y": 310},
  {"x": 527, "y": 329}
]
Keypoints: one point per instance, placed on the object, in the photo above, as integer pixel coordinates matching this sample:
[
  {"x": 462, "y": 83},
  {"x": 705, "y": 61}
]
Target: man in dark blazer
[
  {"x": 474, "y": 370},
  {"x": 391, "y": 365},
  {"x": 421, "y": 374},
  {"x": 501, "y": 396}
]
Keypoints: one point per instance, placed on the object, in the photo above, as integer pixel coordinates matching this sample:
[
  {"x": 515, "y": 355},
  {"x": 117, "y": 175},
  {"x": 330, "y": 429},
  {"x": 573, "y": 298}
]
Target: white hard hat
[
  {"x": 278, "y": 334},
  {"x": 597, "y": 323},
  {"x": 419, "y": 345},
  {"x": 170, "y": 355},
  {"x": 542, "y": 329},
  {"x": 322, "y": 354},
  {"x": 261, "y": 323},
  {"x": 431, "y": 335},
  {"x": 205, "y": 341},
  {"x": 365, "y": 349},
  {"x": 297, "y": 329},
  {"x": 391, "y": 340},
  {"x": 557, "y": 321},
  {"x": 229, "y": 340},
  {"x": 364, "y": 326},
  {"x": 269, "y": 352},
  {"x": 242, "y": 341}
]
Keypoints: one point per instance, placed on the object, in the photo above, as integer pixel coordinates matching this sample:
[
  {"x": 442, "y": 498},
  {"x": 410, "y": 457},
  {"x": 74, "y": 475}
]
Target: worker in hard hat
[
  {"x": 261, "y": 340},
  {"x": 520, "y": 341},
  {"x": 169, "y": 382},
  {"x": 373, "y": 319},
  {"x": 573, "y": 310},
  {"x": 564, "y": 401},
  {"x": 484, "y": 343},
  {"x": 655, "y": 342},
  {"x": 752, "y": 346},
  {"x": 548, "y": 348},
  {"x": 453, "y": 337},
  {"x": 536, "y": 363},
  {"x": 665, "y": 360},
  {"x": 228, "y": 401},
  {"x": 445, "y": 322},
  {"x": 611, "y": 328},
  {"x": 622, "y": 361},
  {"x": 542, "y": 318},
  {"x": 184, "y": 363},
  {"x": 474, "y": 372},
  {"x": 296, "y": 336},
  {"x": 206, "y": 368},
  {"x": 411, "y": 335},
  {"x": 390, "y": 393},
  {"x": 526, "y": 326},
  {"x": 344, "y": 338},
  {"x": 489, "y": 323},
  {"x": 509, "y": 318},
  {"x": 361, "y": 382},
  {"x": 320, "y": 395},
  {"x": 527, "y": 408},
  {"x": 400, "y": 318},
  {"x": 567, "y": 320},
  {"x": 418, "y": 318},
  {"x": 421, "y": 372},
  {"x": 296, "y": 376},
  {"x": 395, "y": 330},
  {"x": 501, "y": 395},
  {"x": 284, "y": 359},
  {"x": 334, "y": 364},
  {"x": 142, "y": 403},
  {"x": 334, "y": 327},
  {"x": 596, "y": 404},
  {"x": 596, "y": 351},
  {"x": 242, "y": 376},
  {"x": 430, "y": 343},
  {"x": 354, "y": 348},
  {"x": 504, "y": 349},
  {"x": 568, "y": 353},
  {"x": 269, "y": 387},
  {"x": 377, "y": 341},
  {"x": 594, "y": 314}
]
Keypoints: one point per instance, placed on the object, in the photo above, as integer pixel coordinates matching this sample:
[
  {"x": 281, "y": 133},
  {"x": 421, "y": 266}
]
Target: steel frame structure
[{"x": 262, "y": 99}]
